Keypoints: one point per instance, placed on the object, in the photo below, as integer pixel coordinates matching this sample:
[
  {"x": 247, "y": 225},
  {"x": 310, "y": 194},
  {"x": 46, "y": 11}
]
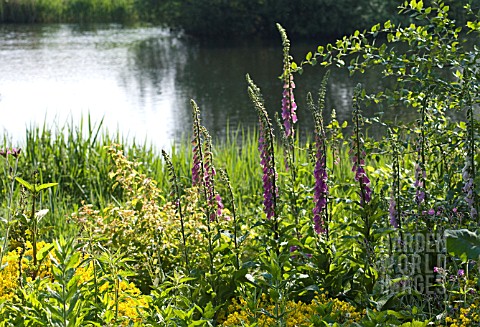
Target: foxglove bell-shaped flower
[
  {"x": 392, "y": 212},
  {"x": 419, "y": 184},
  {"x": 196, "y": 168},
  {"x": 320, "y": 194},
  {"x": 267, "y": 152},
  {"x": 362, "y": 178},
  {"x": 289, "y": 107},
  {"x": 267, "y": 179},
  {"x": 468, "y": 187}
]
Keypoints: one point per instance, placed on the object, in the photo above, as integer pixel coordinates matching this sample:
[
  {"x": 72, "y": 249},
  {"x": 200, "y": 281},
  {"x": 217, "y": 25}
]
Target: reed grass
[
  {"x": 70, "y": 11},
  {"x": 75, "y": 157}
]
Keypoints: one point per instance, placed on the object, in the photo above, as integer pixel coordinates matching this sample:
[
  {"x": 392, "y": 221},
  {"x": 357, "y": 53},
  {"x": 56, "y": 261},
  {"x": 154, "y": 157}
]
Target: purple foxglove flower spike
[
  {"x": 289, "y": 107},
  {"x": 468, "y": 188},
  {"x": 392, "y": 211},
  {"x": 320, "y": 192},
  {"x": 267, "y": 153},
  {"x": 419, "y": 184},
  {"x": 268, "y": 171},
  {"x": 362, "y": 178}
]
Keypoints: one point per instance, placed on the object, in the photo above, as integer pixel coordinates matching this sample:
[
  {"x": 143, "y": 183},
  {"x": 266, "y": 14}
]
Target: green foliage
[
  {"x": 221, "y": 19},
  {"x": 307, "y": 19},
  {"x": 207, "y": 254},
  {"x": 62, "y": 300},
  {"x": 463, "y": 244}
]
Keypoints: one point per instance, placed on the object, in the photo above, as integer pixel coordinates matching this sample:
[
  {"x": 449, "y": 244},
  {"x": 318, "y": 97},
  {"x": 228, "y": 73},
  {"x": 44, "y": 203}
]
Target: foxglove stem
[
  {"x": 177, "y": 203},
  {"x": 468, "y": 187},
  {"x": 358, "y": 159},
  {"x": 420, "y": 176},
  {"x": 268, "y": 178},
  {"x": 201, "y": 167},
  {"x": 420, "y": 172},
  {"x": 392, "y": 211},
  {"x": 197, "y": 167},
  {"x": 320, "y": 193},
  {"x": 267, "y": 156},
  {"x": 395, "y": 217},
  {"x": 214, "y": 200},
  {"x": 226, "y": 179},
  {"x": 468, "y": 171},
  {"x": 289, "y": 106},
  {"x": 320, "y": 196}
]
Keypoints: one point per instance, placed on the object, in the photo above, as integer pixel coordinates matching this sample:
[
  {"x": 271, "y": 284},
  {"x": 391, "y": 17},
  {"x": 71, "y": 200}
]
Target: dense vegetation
[
  {"x": 342, "y": 230},
  {"x": 311, "y": 19}
]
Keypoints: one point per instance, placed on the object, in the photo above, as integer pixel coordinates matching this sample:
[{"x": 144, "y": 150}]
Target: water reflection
[{"x": 141, "y": 80}]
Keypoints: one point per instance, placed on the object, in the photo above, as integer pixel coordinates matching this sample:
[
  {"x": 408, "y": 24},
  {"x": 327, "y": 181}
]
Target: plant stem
[{"x": 13, "y": 172}]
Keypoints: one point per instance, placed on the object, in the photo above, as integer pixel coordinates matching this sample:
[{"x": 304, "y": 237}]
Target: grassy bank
[{"x": 72, "y": 11}]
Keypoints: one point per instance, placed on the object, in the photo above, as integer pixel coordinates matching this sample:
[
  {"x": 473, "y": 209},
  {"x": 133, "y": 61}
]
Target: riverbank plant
[{"x": 339, "y": 230}]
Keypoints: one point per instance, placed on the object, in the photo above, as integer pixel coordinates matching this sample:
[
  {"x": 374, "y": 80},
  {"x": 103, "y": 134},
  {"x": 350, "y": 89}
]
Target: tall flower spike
[
  {"x": 320, "y": 196},
  {"x": 197, "y": 169},
  {"x": 177, "y": 203},
  {"x": 419, "y": 184},
  {"x": 265, "y": 147},
  {"x": 289, "y": 106},
  {"x": 468, "y": 187},
  {"x": 468, "y": 171},
  {"x": 393, "y": 209},
  {"x": 213, "y": 199},
  {"x": 359, "y": 154}
]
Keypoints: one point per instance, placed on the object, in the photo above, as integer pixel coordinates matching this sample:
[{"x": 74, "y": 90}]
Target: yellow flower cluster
[
  {"x": 130, "y": 304},
  {"x": 9, "y": 275},
  {"x": 297, "y": 313},
  {"x": 465, "y": 317}
]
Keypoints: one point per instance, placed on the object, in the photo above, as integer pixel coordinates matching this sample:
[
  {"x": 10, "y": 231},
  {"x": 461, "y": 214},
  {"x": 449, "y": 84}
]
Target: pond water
[{"x": 140, "y": 81}]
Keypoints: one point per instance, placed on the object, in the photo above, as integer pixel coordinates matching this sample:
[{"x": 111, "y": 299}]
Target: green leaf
[
  {"x": 309, "y": 56},
  {"x": 25, "y": 183},
  {"x": 43, "y": 252},
  {"x": 38, "y": 188},
  {"x": 463, "y": 243},
  {"x": 473, "y": 25},
  {"x": 420, "y": 5},
  {"x": 72, "y": 261}
]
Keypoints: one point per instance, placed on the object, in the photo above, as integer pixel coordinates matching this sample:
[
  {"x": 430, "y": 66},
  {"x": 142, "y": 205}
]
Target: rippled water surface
[{"x": 140, "y": 80}]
